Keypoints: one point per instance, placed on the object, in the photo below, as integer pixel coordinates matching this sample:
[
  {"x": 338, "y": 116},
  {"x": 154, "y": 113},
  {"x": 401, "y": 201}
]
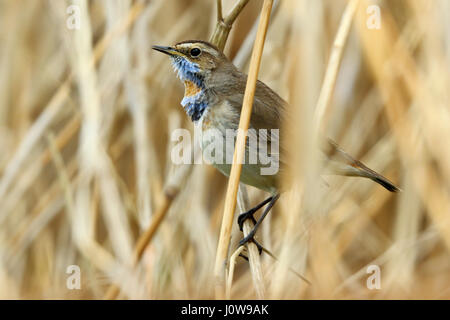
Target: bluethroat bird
[{"x": 214, "y": 91}]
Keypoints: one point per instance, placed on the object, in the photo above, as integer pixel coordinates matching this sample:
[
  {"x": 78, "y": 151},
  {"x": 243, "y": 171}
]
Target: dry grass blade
[
  {"x": 329, "y": 81},
  {"x": 230, "y": 275}
]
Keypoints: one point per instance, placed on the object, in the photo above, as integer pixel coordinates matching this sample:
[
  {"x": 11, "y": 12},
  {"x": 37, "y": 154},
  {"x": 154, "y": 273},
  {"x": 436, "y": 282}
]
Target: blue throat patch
[{"x": 194, "y": 105}]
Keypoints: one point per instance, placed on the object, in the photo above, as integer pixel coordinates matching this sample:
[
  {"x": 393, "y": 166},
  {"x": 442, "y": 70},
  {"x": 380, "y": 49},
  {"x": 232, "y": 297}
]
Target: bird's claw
[
  {"x": 244, "y": 216},
  {"x": 250, "y": 238}
]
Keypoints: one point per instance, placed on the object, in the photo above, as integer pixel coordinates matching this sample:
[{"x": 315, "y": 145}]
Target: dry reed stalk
[
  {"x": 301, "y": 64},
  {"x": 253, "y": 253},
  {"x": 242, "y": 199},
  {"x": 322, "y": 231},
  {"x": 223, "y": 25},
  {"x": 230, "y": 275},
  {"x": 233, "y": 184},
  {"x": 219, "y": 10},
  {"x": 329, "y": 82},
  {"x": 306, "y": 202}
]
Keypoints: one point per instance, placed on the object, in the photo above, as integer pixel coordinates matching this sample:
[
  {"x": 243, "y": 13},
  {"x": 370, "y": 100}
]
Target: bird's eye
[{"x": 195, "y": 52}]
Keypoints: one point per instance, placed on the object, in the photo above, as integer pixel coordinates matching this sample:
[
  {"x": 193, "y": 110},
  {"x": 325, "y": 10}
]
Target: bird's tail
[
  {"x": 343, "y": 164},
  {"x": 375, "y": 176}
]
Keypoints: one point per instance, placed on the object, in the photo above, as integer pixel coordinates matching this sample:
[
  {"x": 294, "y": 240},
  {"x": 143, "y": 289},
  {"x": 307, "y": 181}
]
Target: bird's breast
[
  {"x": 195, "y": 100},
  {"x": 191, "y": 89},
  {"x": 212, "y": 127},
  {"x": 220, "y": 116}
]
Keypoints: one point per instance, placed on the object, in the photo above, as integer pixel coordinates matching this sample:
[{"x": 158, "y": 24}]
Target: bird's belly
[
  {"x": 217, "y": 143},
  {"x": 251, "y": 175}
]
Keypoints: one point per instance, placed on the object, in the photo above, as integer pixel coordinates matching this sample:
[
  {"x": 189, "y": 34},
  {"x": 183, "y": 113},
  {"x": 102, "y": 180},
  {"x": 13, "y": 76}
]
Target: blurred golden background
[{"x": 86, "y": 115}]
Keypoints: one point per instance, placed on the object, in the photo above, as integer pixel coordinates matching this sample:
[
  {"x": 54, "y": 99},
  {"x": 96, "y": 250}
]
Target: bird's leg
[
  {"x": 260, "y": 249},
  {"x": 249, "y": 214},
  {"x": 252, "y": 233}
]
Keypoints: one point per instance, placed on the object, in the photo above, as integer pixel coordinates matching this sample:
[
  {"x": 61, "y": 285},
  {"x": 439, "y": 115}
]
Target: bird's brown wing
[
  {"x": 268, "y": 107},
  {"x": 267, "y": 113},
  {"x": 270, "y": 111}
]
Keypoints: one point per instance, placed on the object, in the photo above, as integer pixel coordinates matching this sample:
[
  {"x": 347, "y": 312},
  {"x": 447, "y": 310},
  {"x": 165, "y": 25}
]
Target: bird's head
[{"x": 194, "y": 60}]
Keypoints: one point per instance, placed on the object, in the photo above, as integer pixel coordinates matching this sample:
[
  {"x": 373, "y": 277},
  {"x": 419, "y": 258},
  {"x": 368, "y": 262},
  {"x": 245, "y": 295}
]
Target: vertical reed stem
[{"x": 236, "y": 168}]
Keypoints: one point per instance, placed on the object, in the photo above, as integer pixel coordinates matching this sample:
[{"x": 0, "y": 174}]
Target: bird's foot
[
  {"x": 250, "y": 238},
  {"x": 249, "y": 215},
  {"x": 246, "y": 215}
]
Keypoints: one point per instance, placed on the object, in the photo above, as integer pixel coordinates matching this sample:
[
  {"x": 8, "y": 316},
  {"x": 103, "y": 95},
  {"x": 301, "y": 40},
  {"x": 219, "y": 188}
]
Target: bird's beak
[{"x": 167, "y": 50}]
